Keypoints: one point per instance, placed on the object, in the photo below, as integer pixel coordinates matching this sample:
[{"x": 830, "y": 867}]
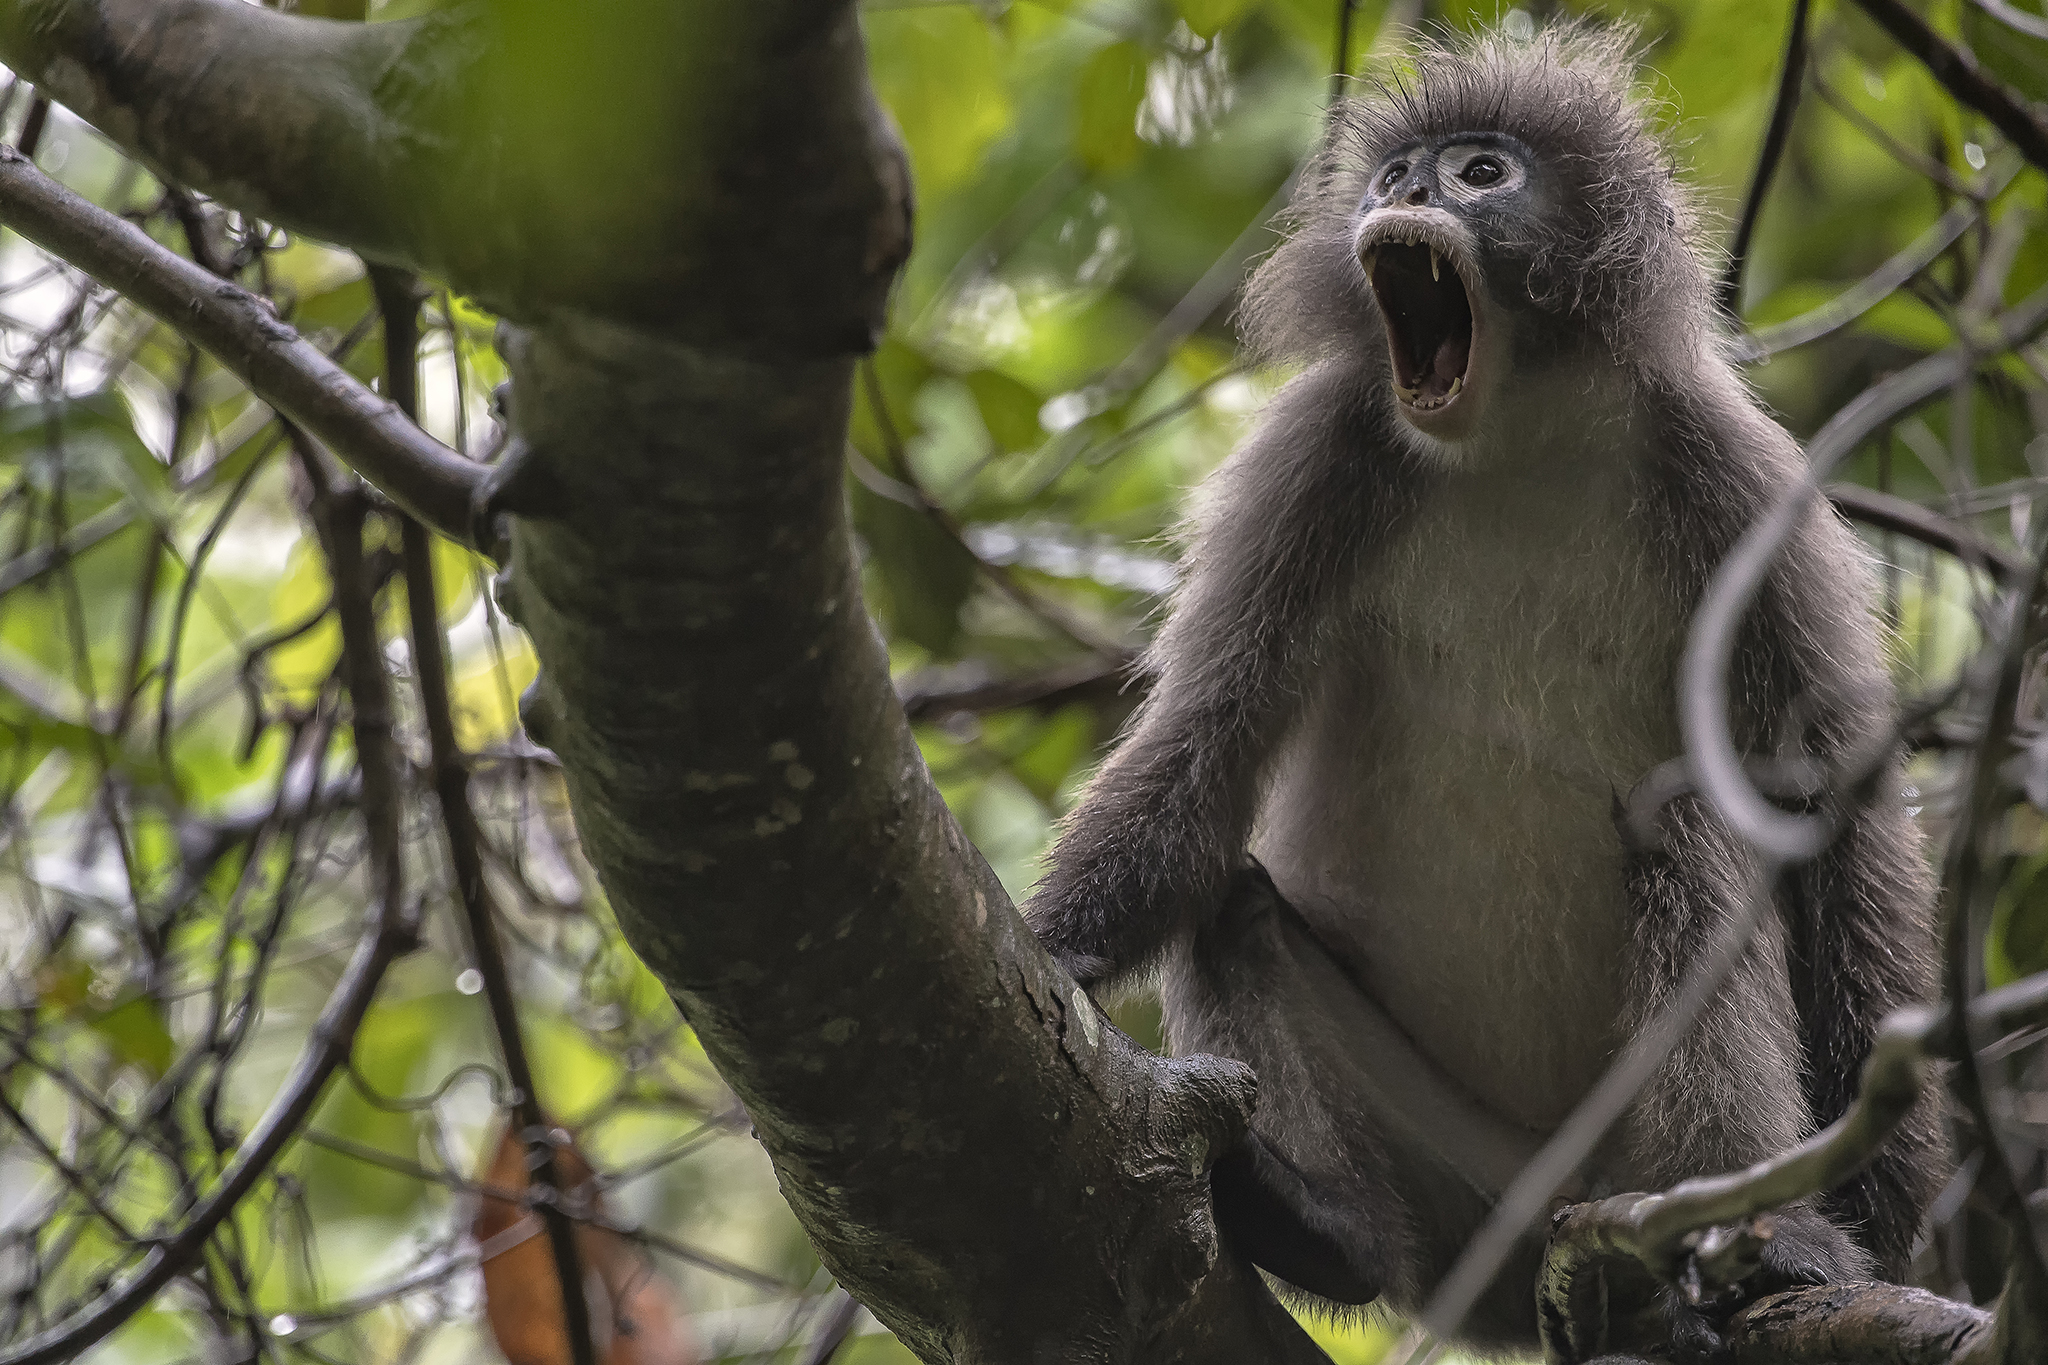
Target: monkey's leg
[
  {"x": 1865, "y": 945},
  {"x": 1268, "y": 1208},
  {"x": 1309, "y": 1196}
]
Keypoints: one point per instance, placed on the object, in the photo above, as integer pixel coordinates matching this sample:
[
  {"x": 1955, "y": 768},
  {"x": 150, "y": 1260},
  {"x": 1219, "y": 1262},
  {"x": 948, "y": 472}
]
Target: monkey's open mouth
[{"x": 1429, "y": 320}]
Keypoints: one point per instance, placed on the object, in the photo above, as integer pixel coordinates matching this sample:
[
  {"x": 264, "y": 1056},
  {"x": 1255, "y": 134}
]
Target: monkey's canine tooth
[
  {"x": 1432, "y": 264},
  {"x": 1457, "y": 387}
]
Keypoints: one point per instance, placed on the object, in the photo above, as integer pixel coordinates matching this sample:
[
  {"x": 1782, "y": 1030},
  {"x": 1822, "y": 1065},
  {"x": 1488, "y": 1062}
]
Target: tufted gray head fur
[{"x": 1612, "y": 244}]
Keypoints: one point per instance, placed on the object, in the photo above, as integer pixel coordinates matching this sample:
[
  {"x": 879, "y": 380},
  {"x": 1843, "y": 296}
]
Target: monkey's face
[{"x": 1431, "y": 225}]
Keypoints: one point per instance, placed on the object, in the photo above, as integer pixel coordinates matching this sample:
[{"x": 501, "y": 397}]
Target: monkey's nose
[{"x": 1419, "y": 194}]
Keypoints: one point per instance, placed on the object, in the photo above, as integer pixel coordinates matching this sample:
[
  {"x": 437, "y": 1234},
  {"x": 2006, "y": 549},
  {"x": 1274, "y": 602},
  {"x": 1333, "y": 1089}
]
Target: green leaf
[
  {"x": 94, "y": 435},
  {"x": 1062, "y": 744},
  {"x": 2019, "y": 59},
  {"x": 1008, "y": 409},
  {"x": 926, "y": 573},
  {"x": 1106, "y": 99},
  {"x": 2017, "y": 945},
  {"x": 134, "y": 1031},
  {"x": 939, "y": 73},
  {"x": 301, "y": 665},
  {"x": 1206, "y": 17}
]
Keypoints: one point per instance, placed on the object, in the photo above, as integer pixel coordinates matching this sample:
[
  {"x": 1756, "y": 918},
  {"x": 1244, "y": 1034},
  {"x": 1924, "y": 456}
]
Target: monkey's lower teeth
[
  {"x": 1414, "y": 399},
  {"x": 1432, "y": 263}
]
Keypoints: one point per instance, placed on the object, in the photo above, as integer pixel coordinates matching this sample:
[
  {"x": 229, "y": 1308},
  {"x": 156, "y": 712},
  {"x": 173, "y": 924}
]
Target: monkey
[{"x": 1364, "y": 828}]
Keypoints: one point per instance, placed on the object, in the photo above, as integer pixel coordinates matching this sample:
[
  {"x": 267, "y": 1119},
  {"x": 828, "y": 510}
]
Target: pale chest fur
[{"x": 1443, "y": 814}]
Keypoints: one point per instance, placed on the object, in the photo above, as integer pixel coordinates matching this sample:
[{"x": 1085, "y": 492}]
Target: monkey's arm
[
  {"x": 1860, "y": 917},
  {"x": 1861, "y": 914},
  {"x": 1865, "y": 947},
  {"x": 1856, "y": 933},
  {"x": 1168, "y": 817}
]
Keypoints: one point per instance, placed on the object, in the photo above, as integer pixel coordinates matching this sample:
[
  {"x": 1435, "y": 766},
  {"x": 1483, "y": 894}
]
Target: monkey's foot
[
  {"x": 1733, "y": 1267},
  {"x": 1266, "y": 1207}
]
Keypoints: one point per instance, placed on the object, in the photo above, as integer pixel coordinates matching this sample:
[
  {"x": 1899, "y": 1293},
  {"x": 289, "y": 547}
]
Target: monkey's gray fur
[{"x": 1427, "y": 640}]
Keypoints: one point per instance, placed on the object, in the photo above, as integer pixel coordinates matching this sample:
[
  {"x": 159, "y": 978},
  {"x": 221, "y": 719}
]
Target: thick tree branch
[
  {"x": 307, "y": 122},
  {"x": 697, "y": 259},
  {"x": 240, "y": 331},
  {"x": 746, "y": 783},
  {"x": 538, "y": 156}
]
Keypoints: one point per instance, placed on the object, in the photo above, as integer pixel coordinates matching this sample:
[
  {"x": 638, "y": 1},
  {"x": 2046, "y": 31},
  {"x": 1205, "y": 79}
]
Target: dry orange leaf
[{"x": 635, "y": 1318}]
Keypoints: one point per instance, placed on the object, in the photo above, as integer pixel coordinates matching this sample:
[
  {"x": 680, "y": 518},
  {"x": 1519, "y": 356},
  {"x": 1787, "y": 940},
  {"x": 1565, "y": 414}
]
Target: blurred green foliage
[{"x": 1059, "y": 372}]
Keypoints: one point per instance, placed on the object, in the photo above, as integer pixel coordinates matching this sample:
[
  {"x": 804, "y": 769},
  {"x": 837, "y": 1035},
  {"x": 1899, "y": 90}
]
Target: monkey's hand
[
  {"x": 1120, "y": 882},
  {"x": 1075, "y": 917}
]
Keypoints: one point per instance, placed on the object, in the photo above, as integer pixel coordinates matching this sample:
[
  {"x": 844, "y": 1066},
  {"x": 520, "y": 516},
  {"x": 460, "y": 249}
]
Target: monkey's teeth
[
  {"x": 1432, "y": 263},
  {"x": 1414, "y": 397}
]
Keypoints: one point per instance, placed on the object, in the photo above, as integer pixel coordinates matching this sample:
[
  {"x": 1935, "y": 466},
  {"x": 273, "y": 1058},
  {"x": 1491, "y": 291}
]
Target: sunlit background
[{"x": 180, "y": 877}]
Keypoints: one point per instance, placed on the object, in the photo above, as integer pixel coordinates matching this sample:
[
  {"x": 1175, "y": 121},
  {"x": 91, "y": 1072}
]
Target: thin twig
[
  {"x": 1962, "y": 76},
  {"x": 1791, "y": 76},
  {"x": 1878, "y": 285},
  {"x": 1340, "y": 53},
  {"x": 2033, "y": 25},
  {"x": 1704, "y": 699},
  {"x": 1709, "y": 1216},
  {"x": 240, "y": 330},
  {"x": 1919, "y": 162},
  {"x": 398, "y": 301},
  {"x": 391, "y": 931},
  {"x": 1897, "y": 515}
]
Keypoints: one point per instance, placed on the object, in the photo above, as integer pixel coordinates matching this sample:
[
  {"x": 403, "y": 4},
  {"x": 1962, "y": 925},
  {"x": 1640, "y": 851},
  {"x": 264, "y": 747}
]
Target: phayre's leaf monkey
[{"x": 1430, "y": 629}]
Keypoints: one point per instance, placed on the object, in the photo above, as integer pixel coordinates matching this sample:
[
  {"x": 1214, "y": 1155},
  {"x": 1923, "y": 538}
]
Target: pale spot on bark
[
  {"x": 798, "y": 776},
  {"x": 693, "y": 861},
  {"x": 838, "y": 1031},
  {"x": 782, "y": 751},
  {"x": 714, "y": 782}
]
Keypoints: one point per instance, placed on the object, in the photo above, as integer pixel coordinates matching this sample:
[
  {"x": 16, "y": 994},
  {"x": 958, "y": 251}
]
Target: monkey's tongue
[{"x": 1452, "y": 355}]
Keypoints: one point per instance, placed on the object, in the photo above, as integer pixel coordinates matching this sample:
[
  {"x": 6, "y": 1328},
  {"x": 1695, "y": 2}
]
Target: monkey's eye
[
  {"x": 1392, "y": 176},
  {"x": 1482, "y": 170}
]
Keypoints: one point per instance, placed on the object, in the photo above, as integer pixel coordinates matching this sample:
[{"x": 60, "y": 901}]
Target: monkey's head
[{"x": 1494, "y": 209}]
